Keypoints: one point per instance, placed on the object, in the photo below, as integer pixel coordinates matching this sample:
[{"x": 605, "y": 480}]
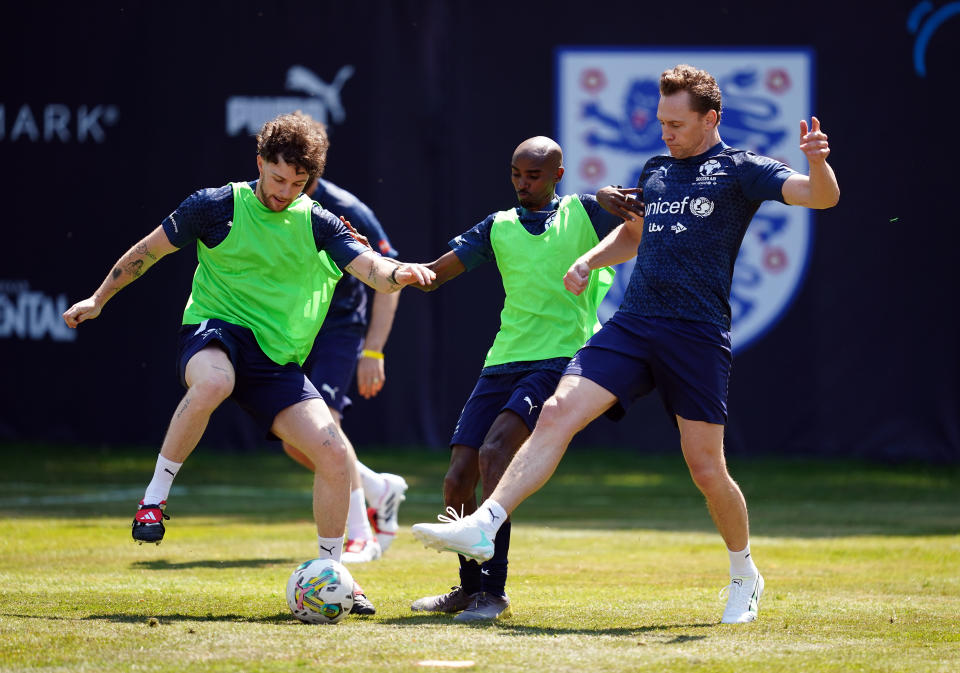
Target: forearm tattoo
[
  {"x": 393, "y": 276},
  {"x": 135, "y": 268},
  {"x": 144, "y": 250}
]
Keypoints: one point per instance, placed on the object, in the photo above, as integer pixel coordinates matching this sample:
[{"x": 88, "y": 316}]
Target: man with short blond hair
[{"x": 672, "y": 329}]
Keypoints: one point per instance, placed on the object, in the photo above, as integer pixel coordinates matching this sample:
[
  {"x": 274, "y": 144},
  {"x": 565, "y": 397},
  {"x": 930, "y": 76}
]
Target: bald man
[{"x": 541, "y": 327}]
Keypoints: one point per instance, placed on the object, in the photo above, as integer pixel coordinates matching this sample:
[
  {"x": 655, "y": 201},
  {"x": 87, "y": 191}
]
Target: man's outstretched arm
[
  {"x": 820, "y": 188},
  {"x": 446, "y": 267},
  {"x": 128, "y": 268},
  {"x": 618, "y": 246},
  {"x": 387, "y": 275}
]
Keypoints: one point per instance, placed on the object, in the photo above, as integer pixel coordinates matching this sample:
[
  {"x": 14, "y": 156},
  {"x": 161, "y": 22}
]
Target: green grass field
[{"x": 615, "y": 566}]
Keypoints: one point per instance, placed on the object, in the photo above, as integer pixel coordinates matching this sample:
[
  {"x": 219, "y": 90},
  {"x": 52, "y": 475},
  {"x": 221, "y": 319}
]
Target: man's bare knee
[
  {"x": 213, "y": 388},
  {"x": 555, "y": 416},
  {"x": 328, "y": 456},
  {"x": 708, "y": 474}
]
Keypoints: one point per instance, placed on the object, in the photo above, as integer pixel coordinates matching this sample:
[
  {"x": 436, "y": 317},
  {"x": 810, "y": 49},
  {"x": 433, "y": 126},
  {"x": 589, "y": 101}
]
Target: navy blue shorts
[
  {"x": 523, "y": 394},
  {"x": 332, "y": 363},
  {"x": 687, "y": 362},
  {"x": 262, "y": 388}
]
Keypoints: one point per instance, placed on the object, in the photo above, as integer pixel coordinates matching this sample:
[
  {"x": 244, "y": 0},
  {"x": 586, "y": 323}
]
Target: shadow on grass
[
  {"x": 523, "y": 630},
  {"x": 163, "y": 564},
  {"x": 279, "y": 618}
]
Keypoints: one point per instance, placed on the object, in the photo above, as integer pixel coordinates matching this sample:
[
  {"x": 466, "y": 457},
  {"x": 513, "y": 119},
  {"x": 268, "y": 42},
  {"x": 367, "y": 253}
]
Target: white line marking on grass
[
  {"x": 135, "y": 494},
  {"x": 73, "y": 498},
  {"x": 445, "y": 664},
  {"x": 117, "y": 494}
]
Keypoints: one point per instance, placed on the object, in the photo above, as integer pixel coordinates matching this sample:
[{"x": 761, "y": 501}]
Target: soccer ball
[{"x": 320, "y": 591}]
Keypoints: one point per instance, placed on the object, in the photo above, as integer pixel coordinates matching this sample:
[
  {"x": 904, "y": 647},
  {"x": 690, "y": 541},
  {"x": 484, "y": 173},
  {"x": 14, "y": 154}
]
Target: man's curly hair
[
  {"x": 703, "y": 88},
  {"x": 298, "y": 140}
]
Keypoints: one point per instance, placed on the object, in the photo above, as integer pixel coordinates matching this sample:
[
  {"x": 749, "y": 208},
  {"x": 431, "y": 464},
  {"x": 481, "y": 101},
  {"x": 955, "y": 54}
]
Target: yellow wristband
[{"x": 376, "y": 355}]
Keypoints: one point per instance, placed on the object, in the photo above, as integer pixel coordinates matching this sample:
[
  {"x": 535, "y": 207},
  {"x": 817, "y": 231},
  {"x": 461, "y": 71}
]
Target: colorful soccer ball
[{"x": 320, "y": 592}]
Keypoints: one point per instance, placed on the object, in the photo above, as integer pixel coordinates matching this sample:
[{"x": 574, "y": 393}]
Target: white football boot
[
  {"x": 384, "y": 515},
  {"x": 462, "y": 535},
  {"x": 361, "y": 551},
  {"x": 743, "y": 599}
]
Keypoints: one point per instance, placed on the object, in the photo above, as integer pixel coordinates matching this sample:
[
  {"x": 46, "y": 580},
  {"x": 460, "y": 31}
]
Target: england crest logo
[{"x": 607, "y": 118}]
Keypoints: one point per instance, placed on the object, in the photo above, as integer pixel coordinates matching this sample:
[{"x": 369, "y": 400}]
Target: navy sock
[
  {"x": 470, "y": 577},
  {"x": 494, "y": 571}
]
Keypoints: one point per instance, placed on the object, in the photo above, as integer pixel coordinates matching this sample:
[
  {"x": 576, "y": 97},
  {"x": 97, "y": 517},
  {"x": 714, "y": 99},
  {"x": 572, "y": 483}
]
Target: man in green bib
[
  {"x": 269, "y": 258},
  {"x": 541, "y": 327}
]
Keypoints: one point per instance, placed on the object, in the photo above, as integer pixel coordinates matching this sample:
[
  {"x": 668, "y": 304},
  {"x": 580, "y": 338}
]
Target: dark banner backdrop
[{"x": 111, "y": 115}]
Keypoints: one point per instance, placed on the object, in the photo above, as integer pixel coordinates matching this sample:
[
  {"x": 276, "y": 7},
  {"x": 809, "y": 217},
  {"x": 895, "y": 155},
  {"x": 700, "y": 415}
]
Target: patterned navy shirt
[
  {"x": 697, "y": 212},
  {"x": 349, "y": 303},
  {"x": 474, "y": 248},
  {"x": 207, "y": 215}
]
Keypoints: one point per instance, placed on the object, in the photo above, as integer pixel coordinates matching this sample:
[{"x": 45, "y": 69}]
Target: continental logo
[{"x": 30, "y": 315}]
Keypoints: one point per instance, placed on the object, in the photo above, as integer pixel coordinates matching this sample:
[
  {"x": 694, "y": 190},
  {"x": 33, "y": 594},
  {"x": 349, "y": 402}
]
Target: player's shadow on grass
[
  {"x": 162, "y": 564},
  {"x": 509, "y": 628},
  {"x": 162, "y": 619},
  {"x": 522, "y": 630}
]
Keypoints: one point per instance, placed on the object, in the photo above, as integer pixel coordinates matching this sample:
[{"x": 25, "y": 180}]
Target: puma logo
[
  {"x": 329, "y": 390},
  {"x": 530, "y": 402},
  {"x": 329, "y": 551}
]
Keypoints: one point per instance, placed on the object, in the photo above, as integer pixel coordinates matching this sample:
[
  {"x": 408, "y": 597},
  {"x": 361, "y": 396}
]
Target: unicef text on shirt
[{"x": 665, "y": 207}]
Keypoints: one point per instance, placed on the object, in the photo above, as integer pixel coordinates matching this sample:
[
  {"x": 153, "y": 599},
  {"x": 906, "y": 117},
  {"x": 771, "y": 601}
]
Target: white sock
[
  {"x": 159, "y": 488},
  {"x": 490, "y": 515},
  {"x": 330, "y": 547},
  {"x": 373, "y": 484},
  {"x": 358, "y": 526},
  {"x": 741, "y": 563}
]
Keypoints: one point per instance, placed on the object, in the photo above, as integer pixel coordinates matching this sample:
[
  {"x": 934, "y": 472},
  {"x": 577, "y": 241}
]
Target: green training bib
[
  {"x": 541, "y": 319},
  {"x": 266, "y": 275}
]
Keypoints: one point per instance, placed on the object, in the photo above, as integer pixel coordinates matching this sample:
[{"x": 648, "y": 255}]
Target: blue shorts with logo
[
  {"x": 687, "y": 362},
  {"x": 523, "y": 394},
  {"x": 333, "y": 362},
  {"x": 263, "y": 388}
]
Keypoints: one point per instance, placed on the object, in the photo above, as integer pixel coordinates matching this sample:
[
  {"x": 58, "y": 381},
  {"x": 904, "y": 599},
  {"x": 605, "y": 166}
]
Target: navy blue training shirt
[
  {"x": 207, "y": 215},
  {"x": 349, "y": 303},
  {"x": 697, "y": 211},
  {"x": 474, "y": 248}
]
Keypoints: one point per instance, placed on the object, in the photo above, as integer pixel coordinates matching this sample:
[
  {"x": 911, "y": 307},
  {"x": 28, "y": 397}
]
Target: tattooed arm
[
  {"x": 128, "y": 268},
  {"x": 387, "y": 275}
]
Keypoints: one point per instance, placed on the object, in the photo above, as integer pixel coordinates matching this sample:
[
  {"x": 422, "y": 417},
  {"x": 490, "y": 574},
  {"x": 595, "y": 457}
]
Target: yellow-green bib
[
  {"x": 266, "y": 275},
  {"x": 541, "y": 319}
]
